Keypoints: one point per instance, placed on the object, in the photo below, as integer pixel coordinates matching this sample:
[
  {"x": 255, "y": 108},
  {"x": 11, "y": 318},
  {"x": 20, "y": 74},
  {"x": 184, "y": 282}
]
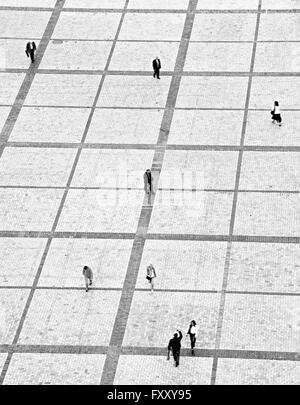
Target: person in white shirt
[
  {"x": 276, "y": 117},
  {"x": 193, "y": 330}
]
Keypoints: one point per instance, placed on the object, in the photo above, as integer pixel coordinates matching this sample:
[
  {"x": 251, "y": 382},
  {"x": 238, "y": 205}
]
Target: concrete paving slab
[
  {"x": 158, "y": 4},
  {"x": 86, "y": 4},
  {"x": 108, "y": 260},
  {"x": 154, "y": 318},
  {"x": 23, "y": 24},
  {"x": 112, "y": 168},
  {"x": 280, "y": 171},
  {"x": 55, "y": 369},
  {"x": 20, "y": 258},
  {"x": 257, "y": 372},
  {"x": 145, "y": 26},
  {"x": 28, "y": 3},
  {"x": 196, "y": 127},
  {"x": 36, "y": 166},
  {"x": 183, "y": 265},
  {"x": 89, "y": 26},
  {"x": 191, "y": 213},
  {"x": 198, "y": 170},
  {"x": 33, "y": 209},
  {"x": 70, "y": 317},
  {"x": 227, "y": 4},
  {"x": 277, "y": 57},
  {"x": 223, "y": 27},
  {"x": 12, "y": 53},
  {"x": 279, "y": 27},
  {"x": 266, "y": 267},
  {"x": 281, "y": 4},
  {"x": 268, "y": 89},
  {"x": 259, "y": 322},
  {"x": 267, "y": 214},
  {"x": 10, "y": 84},
  {"x": 218, "y": 57},
  {"x": 101, "y": 211},
  {"x": 134, "y": 91},
  {"x": 63, "y": 90},
  {"x": 41, "y": 124},
  {"x": 152, "y": 370},
  {"x": 107, "y": 126},
  {"x": 12, "y": 303},
  {"x": 261, "y": 131},
  {"x": 141, "y": 55},
  {"x": 212, "y": 92},
  {"x": 76, "y": 55}
]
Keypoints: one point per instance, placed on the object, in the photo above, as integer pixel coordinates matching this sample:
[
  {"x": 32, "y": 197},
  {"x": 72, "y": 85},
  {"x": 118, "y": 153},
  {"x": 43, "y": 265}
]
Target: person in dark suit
[
  {"x": 156, "y": 66},
  {"x": 30, "y": 50},
  {"x": 175, "y": 346},
  {"x": 148, "y": 181}
]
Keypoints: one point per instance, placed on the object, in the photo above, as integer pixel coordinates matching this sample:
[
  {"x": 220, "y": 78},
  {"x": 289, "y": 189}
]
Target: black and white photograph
[{"x": 149, "y": 195}]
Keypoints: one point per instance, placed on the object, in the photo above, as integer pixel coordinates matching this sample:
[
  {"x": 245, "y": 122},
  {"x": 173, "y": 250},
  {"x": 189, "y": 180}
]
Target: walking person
[
  {"x": 30, "y": 50},
  {"x": 88, "y": 277},
  {"x": 156, "y": 67},
  {"x": 175, "y": 346},
  {"x": 148, "y": 179},
  {"x": 276, "y": 116},
  {"x": 151, "y": 275},
  {"x": 192, "y": 331}
]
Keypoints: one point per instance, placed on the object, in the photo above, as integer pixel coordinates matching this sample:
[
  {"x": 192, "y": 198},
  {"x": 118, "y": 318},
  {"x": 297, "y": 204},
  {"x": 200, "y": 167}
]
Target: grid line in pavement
[
  {"x": 228, "y": 148},
  {"x": 154, "y": 10},
  {"x": 206, "y": 190},
  {"x": 112, "y": 358},
  {"x": 157, "y": 236},
  {"x": 158, "y": 290},
  {"x": 152, "y": 351},
  {"x": 234, "y": 205},
  {"x": 96, "y": 72}
]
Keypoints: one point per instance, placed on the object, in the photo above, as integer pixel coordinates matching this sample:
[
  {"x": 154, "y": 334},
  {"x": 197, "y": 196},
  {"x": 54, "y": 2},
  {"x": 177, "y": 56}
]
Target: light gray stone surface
[
  {"x": 236, "y": 266},
  {"x": 55, "y": 369}
]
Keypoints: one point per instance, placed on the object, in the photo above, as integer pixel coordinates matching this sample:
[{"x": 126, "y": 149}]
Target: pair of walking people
[{"x": 174, "y": 345}]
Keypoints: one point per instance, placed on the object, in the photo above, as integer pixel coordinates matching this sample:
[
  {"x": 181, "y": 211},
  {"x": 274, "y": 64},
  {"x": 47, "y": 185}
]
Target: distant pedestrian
[
  {"x": 156, "y": 67},
  {"x": 151, "y": 275},
  {"x": 88, "y": 277},
  {"x": 175, "y": 346},
  {"x": 276, "y": 117},
  {"x": 192, "y": 331},
  {"x": 148, "y": 178},
  {"x": 30, "y": 50}
]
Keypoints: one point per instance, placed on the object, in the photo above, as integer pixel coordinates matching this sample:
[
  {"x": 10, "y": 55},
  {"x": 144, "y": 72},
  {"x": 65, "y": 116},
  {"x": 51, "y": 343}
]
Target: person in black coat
[
  {"x": 148, "y": 181},
  {"x": 175, "y": 346},
  {"x": 156, "y": 66},
  {"x": 30, "y": 50}
]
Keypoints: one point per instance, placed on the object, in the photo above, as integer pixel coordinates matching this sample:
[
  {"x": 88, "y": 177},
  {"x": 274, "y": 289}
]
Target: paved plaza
[{"x": 80, "y": 126}]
